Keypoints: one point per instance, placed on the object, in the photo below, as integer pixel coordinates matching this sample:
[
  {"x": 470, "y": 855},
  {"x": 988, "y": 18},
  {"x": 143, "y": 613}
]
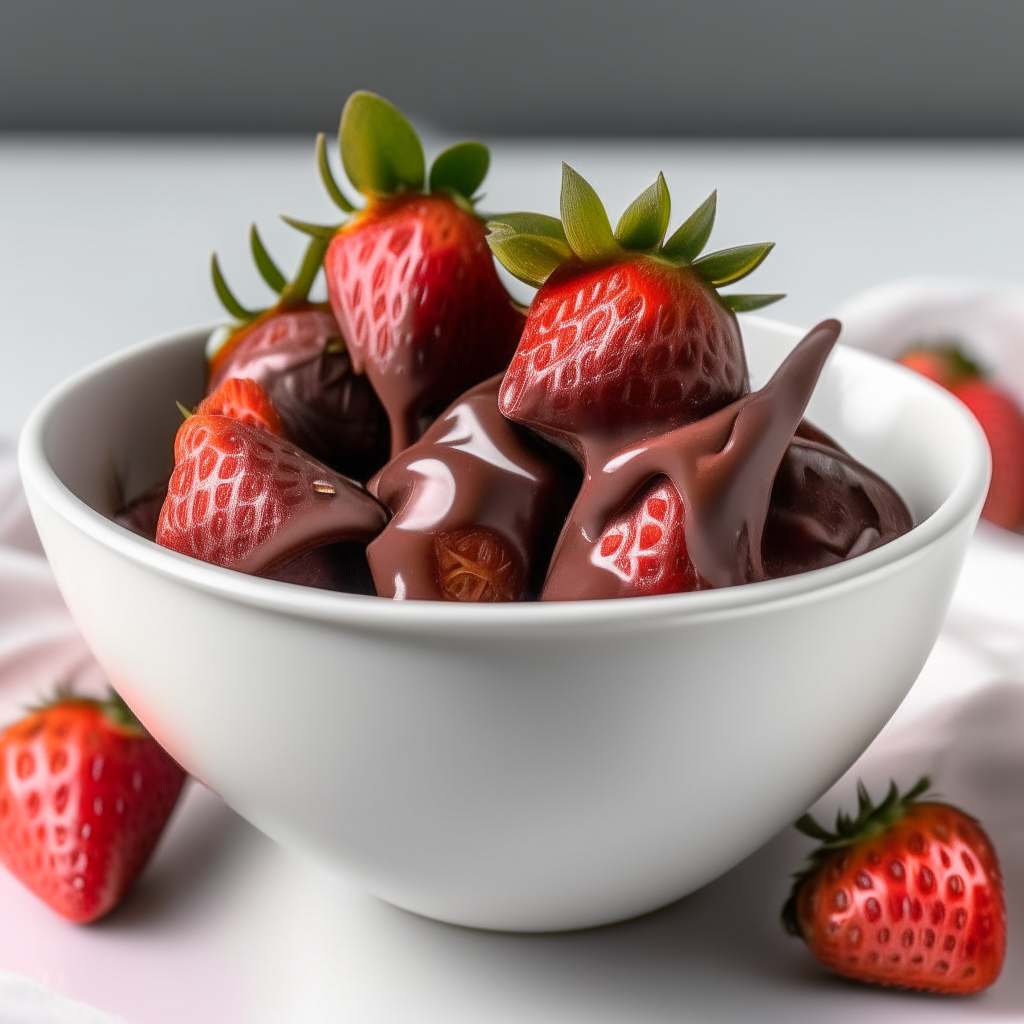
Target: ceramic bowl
[{"x": 520, "y": 767}]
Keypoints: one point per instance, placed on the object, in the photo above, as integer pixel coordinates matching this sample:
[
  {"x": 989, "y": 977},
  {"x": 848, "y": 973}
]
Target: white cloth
[{"x": 23, "y": 1001}]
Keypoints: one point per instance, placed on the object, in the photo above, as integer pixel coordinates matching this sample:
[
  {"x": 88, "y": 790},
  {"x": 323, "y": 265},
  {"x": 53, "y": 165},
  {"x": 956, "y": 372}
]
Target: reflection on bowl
[{"x": 526, "y": 767}]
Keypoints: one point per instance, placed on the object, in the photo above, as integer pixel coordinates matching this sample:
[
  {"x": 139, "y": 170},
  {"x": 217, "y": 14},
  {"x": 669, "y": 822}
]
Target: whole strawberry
[
  {"x": 627, "y": 336},
  {"x": 409, "y": 276},
  {"x": 247, "y": 499},
  {"x": 907, "y": 894},
  {"x": 1000, "y": 417},
  {"x": 85, "y": 792}
]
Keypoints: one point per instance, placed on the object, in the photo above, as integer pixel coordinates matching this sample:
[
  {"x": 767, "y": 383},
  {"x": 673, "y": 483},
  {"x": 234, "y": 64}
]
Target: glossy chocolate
[
  {"x": 327, "y": 408},
  {"x": 477, "y": 504},
  {"x": 724, "y": 469}
]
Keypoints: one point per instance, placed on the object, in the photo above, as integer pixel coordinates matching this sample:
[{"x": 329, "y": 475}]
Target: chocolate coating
[
  {"x": 326, "y": 408},
  {"x": 142, "y": 515},
  {"x": 476, "y": 504},
  {"x": 724, "y": 468}
]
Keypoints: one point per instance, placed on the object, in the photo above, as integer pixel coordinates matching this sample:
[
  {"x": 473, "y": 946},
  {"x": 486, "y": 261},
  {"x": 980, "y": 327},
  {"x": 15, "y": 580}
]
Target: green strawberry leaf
[
  {"x": 585, "y": 219},
  {"x": 264, "y": 264},
  {"x": 644, "y": 222},
  {"x": 327, "y": 177},
  {"x": 460, "y": 168},
  {"x": 226, "y": 296},
  {"x": 746, "y": 303},
  {"x": 380, "y": 151},
  {"x": 692, "y": 235},
  {"x": 528, "y": 245},
  {"x": 327, "y": 231},
  {"x": 730, "y": 265}
]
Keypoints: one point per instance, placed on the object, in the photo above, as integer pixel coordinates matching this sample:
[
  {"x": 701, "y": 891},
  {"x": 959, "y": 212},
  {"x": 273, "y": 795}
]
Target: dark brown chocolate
[
  {"x": 477, "y": 503},
  {"x": 326, "y": 408}
]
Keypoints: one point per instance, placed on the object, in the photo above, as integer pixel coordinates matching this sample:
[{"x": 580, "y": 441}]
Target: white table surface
[{"x": 104, "y": 242}]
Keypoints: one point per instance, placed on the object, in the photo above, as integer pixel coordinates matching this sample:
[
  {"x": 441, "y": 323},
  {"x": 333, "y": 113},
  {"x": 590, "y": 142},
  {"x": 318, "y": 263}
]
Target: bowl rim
[{"x": 371, "y": 612}]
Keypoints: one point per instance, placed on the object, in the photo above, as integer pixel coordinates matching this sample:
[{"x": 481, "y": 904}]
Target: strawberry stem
[{"x": 296, "y": 292}]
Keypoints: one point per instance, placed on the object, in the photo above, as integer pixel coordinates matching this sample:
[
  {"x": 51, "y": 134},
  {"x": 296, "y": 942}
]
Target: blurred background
[
  {"x": 870, "y": 141},
  {"x": 893, "y": 68}
]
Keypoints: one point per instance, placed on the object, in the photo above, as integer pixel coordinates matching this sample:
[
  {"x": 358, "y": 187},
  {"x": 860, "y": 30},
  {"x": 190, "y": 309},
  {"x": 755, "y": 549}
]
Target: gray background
[{"x": 704, "y": 67}]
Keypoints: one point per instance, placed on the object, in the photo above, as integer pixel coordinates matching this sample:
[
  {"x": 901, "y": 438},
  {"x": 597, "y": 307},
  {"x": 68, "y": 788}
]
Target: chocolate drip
[
  {"x": 327, "y": 408},
  {"x": 723, "y": 467},
  {"x": 477, "y": 504}
]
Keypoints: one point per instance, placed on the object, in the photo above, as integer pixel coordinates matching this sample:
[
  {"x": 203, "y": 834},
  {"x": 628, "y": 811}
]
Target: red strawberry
[
  {"x": 246, "y": 499},
  {"x": 85, "y": 792},
  {"x": 943, "y": 364},
  {"x": 627, "y": 337},
  {"x": 243, "y": 400},
  {"x": 644, "y": 549},
  {"x": 908, "y": 894},
  {"x": 296, "y": 351},
  {"x": 410, "y": 277},
  {"x": 1000, "y": 417},
  {"x": 1003, "y": 423}
]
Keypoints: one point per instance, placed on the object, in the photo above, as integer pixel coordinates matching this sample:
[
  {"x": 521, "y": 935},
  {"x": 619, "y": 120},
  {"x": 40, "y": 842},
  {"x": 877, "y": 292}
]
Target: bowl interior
[{"x": 107, "y": 436}]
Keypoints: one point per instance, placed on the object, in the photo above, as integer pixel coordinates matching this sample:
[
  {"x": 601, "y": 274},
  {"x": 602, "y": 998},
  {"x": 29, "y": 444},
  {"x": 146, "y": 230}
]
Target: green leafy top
[
  {"x": 292, "y": 294},
  {"x": 112, "y": 705},
  {"x": 870, "y": 822},
  {"x": 383, "y": 156},
  {"x": 532, "y": 245}
]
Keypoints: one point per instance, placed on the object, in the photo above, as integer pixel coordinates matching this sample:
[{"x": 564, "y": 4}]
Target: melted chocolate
[
  {"x": 724, "y": 468},
  {"x": 476, "y": 503},
  {"x": 326, "y": 408},
  {"x": 826, "y": 507}
]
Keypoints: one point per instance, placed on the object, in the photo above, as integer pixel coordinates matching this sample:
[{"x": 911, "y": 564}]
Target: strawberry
[
  {"x": 85, "y": 792},
  {"x": 477, "y": 504},
  {"x": 1003, "y": 423},
  {"x": 627, "y": 336},
  {"x": 409, "y": 276},
  {"x": 643, "y": 549},
  {"x": 244, "y": 400},
  {"x": 1000, "y": 417},
  {"x": 296, "y": 351},
  {"x": 944, "y": 364},
  {"x": 244, "y": 498},
  {"x": 907, "y": 894}
]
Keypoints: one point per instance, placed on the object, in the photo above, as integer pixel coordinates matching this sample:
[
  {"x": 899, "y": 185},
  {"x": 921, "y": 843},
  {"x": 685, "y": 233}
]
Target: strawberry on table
[
  {"x": 1000, "y": 417},
  {"x": 410, "y": 278},
  {"x": 85, "y": 793},
  {"x": 295, "y": 349},
  {"x": 907, "y": 894},
  {"x": 247, "y": 499}
]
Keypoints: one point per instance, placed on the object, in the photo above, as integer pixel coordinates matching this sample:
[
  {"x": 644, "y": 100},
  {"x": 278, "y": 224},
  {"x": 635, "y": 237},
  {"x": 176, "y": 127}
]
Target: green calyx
[
  {"x": 291, "y": 293},
  {"x": 531, "y": 246},
  {"x": 382, "y": 156},
  {"x": 870, "y": 822},
  {"x": 112, "y": 705}
]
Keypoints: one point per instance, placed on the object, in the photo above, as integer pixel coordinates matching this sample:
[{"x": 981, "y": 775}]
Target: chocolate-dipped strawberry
[
  {"x": 243, "y": 497},
  {"x": 477, "y": 504},
  {"x": 627, "y": 337},
  {"x": 690, "y": 509},
  {"x": 410, "y": 278},
  {"x": 295, "y": 349}
]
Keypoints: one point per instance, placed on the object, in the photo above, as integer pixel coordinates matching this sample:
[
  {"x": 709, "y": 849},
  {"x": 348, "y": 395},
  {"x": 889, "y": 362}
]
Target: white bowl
[{"x": 528, "y": 766}]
